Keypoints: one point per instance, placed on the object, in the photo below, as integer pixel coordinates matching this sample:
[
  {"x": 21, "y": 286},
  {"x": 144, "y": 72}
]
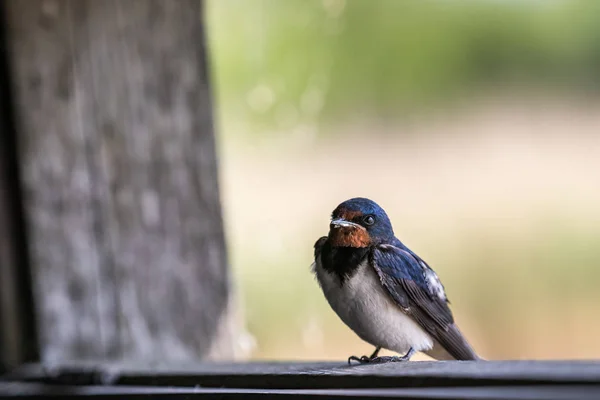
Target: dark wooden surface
[
  {"x": 283, "y": 375},
  {"x": 18, "y": 340},
  {"x": 113, "y": 113},
  {"x": 547, "y": 392},
  {"x": 443, "y": 380}
]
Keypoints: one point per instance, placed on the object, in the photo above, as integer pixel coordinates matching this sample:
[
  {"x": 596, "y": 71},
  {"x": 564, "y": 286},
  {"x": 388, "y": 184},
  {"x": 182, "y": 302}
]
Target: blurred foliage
[
  {"x": 278, "y": 63},
  {"x": 287, "y": 66}
]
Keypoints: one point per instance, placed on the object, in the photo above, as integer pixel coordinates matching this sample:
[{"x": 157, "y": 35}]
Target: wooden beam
[
  {"x": 534, "y": 392},
  {"x": 121, "y": 196},
  {"x": 315, "y": 375},
  {"x": 440, "y": 380}
]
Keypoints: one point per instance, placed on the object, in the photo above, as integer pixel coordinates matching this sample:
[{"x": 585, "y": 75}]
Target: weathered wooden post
[{"x": 113, "y": 121}]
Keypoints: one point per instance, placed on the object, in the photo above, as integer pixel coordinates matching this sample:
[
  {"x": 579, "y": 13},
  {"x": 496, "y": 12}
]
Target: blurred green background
[{"x": 475, "y": 124}]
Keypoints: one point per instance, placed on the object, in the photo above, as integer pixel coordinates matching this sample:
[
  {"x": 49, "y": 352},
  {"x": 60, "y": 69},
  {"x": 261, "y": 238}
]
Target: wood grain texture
[
  {"x": 120, "y": 179},
  {"x": 317, "y": 375},
  {"x": 427, "y": 380}
]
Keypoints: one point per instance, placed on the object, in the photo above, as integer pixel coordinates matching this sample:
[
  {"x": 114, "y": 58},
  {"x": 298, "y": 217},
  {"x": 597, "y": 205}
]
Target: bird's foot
[
  {"x": 380, "y": 360},
  {"x": 386, "y": 359},
  {"x": 360, "y": 360}
]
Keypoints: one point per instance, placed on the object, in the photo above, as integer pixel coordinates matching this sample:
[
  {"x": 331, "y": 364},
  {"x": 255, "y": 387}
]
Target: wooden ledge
[{"x": 419, "y": 379}]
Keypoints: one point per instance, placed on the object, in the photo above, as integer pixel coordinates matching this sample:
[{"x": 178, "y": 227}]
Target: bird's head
[{"x": 359, "y": 223}]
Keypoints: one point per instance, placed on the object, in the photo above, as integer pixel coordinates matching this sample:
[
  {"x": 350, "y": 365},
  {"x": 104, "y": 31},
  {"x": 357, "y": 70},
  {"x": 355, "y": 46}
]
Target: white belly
[{"x": 364, "y": 305}]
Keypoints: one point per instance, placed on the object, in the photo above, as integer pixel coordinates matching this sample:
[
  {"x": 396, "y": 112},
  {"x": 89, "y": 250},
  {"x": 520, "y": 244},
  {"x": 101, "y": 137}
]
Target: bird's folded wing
[{"x": 415, "y": 288}]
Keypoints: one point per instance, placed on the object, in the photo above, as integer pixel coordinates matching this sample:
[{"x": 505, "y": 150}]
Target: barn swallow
[{"x": 382, "y": 290}]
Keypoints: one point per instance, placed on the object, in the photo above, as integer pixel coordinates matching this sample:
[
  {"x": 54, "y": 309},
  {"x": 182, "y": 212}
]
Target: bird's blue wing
[
  {"x": 401, "y": 263},
  {"x": 417, "y": 290}
]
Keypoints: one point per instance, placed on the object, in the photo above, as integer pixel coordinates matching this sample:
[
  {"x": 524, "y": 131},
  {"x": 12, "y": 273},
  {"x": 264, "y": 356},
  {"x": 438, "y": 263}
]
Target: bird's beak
[{"x": 342, "y": 223}]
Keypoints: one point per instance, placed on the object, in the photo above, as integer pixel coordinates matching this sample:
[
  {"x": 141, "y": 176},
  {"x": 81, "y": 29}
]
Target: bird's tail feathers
[{"x": 452, "y": 345}]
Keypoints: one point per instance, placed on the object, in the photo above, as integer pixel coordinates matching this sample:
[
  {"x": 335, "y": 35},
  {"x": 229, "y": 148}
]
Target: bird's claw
[{"x": 361, "y": 360}]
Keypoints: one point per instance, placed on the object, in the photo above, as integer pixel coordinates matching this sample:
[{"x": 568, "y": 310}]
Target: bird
[{"x": 388, "y": 295}]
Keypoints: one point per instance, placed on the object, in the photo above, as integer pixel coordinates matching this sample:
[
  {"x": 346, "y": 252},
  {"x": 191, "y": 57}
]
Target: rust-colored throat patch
[{"x": 349, "y": 236}]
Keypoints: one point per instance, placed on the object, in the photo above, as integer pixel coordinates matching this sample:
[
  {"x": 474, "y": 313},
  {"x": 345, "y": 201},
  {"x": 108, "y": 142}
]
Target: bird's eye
[{"x": 369, "y": 220}]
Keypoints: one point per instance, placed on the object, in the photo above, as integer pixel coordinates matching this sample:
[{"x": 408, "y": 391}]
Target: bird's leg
[
  {"x": 375, "y": 353},
  {"x": 384, "y": 359},
  {"x": 364, "y": 359}
]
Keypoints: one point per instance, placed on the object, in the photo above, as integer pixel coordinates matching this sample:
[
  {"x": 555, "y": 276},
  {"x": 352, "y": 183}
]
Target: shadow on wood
[{"x": 18, "y": 335}]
